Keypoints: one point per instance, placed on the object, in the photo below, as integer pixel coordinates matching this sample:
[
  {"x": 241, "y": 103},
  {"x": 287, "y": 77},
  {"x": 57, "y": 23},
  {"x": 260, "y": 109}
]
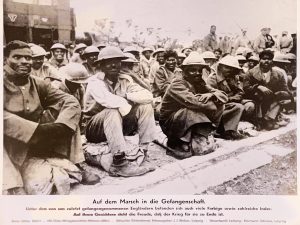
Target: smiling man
[{"x": 58, "y": 52}]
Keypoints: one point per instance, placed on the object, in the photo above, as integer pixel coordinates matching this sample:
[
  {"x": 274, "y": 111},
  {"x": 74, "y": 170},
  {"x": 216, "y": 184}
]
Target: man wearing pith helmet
[
  {"x": 58, "y": 58},
  {"x": 78, "y": 53},
  {"x": 190, "y": 111},
  {"x": 116, "y": 106},
  {"x": 42, "y": 69},
  {"x": 90, "y": 54},
  {"x": 146, "y": 61},
  {"x": 226, "y": 79}
]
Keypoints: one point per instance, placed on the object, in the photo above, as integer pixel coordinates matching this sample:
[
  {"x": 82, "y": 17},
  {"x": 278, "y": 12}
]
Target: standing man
[
  {"x": 242, "y": 41},
  {"x": 267, "y": 87},
  {"x": 210, "y": 40},
  {"x": 159, "y": 56},
  {"x": 116, "y": 106}
]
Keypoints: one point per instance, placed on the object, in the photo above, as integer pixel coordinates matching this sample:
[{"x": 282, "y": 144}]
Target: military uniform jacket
[{"x": 254, "y": 77}]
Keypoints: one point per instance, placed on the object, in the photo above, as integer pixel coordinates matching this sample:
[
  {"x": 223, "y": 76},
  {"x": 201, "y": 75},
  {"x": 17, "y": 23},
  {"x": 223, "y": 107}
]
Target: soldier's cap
[
  {"x": 110, "y": 52},
  {"x": 130, "y": 58},
  {"x": 194, "y": 58},
  {"x": 131, "y": 49},
  {"x": 37, "y": 51},
  {"x": 75, "y": 72},
  {"x": 79, "y": 46},
  {"x": 91, "y": 49},
  {"x": 147, "y": 49},
  {"x": 158, "y": 51},
  {"x": 58, "y": 46},
  {"x": 230, "y": 61},
  {"x": 208, "y": 55},
  {"x": 280, "y": 57}
]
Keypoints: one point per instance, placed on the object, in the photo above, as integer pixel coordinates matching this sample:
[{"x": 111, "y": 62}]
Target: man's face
[
  {"x": 111, "y": 68},
  {"x": 210, "y": 62},
  {"x": 136, "y": 55},
  {"x": 252, "y": 64},
  {"x": 160, "y": 58},
  {"x": 91, "y": 58},
  {"x": 147, "y": 54},
  {"x": 213, "y": 30},
  {"x": 80, "y": 51},
  {"x": 37, "y": 62},
  {"x": 180, "y": 60},
  {"x": 217, "y": 54},
  {"x": 58, "y": 54},
  {"x": 228, "y": 71},
  {"x": 193, "y": 73},
  {"x": 171, "y": 63},
  {"x": 265, "y": 62},
  {"x": 20, "y": 60}
]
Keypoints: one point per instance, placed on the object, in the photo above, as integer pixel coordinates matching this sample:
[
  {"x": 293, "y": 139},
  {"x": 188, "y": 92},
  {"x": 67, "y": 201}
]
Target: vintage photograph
[{"x": 149, "y": 97}]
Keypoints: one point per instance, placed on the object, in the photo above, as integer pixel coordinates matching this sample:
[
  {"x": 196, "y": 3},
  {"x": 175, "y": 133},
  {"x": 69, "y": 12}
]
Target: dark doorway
[{"x": 15, "y": 33}]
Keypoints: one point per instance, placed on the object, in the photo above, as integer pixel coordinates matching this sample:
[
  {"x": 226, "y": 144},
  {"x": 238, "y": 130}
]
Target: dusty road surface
[{"x": 265, "y": 164}]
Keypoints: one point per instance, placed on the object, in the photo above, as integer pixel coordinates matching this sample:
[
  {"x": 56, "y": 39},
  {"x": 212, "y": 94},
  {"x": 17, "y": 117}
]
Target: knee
[
  {"x": 145, "y": 109},
  {"x": 249, "y": 107},
  {"x": 109, "y": 114},
  {"x": 239, "y": 106}
]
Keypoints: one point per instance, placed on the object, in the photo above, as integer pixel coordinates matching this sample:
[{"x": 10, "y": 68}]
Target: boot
[
  {"x": 88, "y": 178},
  {"x": 178, "y": 149},
  {"x": 121, "y": 167}
]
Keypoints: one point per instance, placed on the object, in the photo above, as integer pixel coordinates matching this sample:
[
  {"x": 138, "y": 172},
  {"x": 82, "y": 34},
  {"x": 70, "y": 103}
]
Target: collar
[{"x": 14, "y": 77}]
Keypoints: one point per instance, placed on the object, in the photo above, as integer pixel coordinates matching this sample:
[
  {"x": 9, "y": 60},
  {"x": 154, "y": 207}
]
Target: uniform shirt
[
  {"x": 46, "y": 71},
  {"x": 78, "y": 94},
  {"x": 100, "y": 94},
  {"x": 210, "y": 42},
  {"x": 23, "y": 107},
  {"x": 56, "y": 64}
]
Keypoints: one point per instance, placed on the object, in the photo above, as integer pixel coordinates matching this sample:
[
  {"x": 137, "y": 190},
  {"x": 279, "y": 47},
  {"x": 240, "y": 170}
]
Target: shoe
[
  {"x": 232, "y": 135},
  {"x": 179, "y": 150},
  {"x": 269, "y": 125},
  {"x": 89, "y": 178},
  {"x": 17, "y": 191},
  {"x": 127, "y": 170}
]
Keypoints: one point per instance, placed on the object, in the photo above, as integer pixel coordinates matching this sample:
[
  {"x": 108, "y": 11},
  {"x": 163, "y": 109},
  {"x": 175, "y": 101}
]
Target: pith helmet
[
  {"x": 79, "y": 46},
  {"x": 58, "y": 46},
  {"x": 254, "y": 58},
  {"x": 194, "y": 58},
  {"x": 131, "y": 49},
  {"x": 130, "y": 58},
  {"x": 110, "y": 52},
  {"x": 75, "y": 72},
  {"x": 37, "y": 51},
  {"x": 208, "y": 55},
  {"x": 90, "y": 49},
  {"x": 279, "y": 57},
  {"x": 147, "y": 49},
  {"x": 158, "y": 51},
  {"x": 230, "y": 61}
]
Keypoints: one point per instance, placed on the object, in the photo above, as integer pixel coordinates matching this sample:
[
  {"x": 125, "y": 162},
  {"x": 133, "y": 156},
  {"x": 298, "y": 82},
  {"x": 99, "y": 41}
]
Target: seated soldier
[
  {"x": 116, "y": 106},
  {"x": 268, "y": 88},
  {"x": 190, "y": 111},
  {"x": 165, "y": 74},
  {"x": 39, "y": 120},
  {"x": 226, "y": 79},
  {"x": 90, "y": 55},
  {"x": 75, "y": 76},
  {"x": 127, "y": 68}
]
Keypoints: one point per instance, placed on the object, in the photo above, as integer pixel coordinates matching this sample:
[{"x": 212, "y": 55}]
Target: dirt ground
[{"x": 277, "y": 178}]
